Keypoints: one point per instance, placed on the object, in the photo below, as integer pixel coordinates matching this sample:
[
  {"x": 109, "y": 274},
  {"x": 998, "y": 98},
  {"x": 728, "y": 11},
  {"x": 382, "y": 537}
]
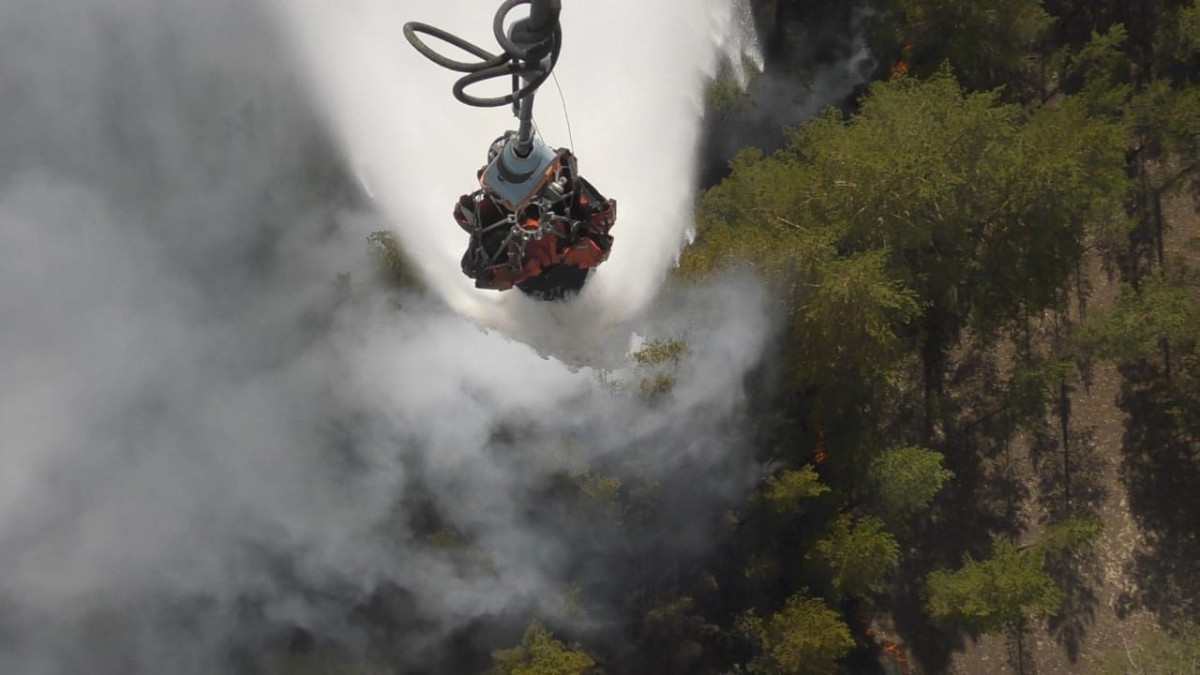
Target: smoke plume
[{"x": 218, "y": 452}]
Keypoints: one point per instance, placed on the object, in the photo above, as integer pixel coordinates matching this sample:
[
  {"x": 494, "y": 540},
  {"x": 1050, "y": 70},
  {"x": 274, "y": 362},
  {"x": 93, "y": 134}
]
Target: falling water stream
[{"x": 632, "y": 78}]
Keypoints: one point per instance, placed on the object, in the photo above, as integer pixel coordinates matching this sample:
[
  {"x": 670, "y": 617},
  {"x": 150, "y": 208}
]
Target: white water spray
[
  {"x": 632, "y": 74},
  {"x": 209, "y": 450}
]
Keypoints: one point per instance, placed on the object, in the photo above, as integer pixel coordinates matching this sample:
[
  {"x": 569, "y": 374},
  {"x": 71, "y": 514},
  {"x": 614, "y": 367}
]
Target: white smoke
[
  {"x": 205, "y": 443},
  {"x": 815, "y": 67}
]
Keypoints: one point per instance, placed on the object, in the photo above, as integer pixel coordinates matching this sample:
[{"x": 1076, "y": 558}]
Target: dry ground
[{"x": 1107, "y": 591}]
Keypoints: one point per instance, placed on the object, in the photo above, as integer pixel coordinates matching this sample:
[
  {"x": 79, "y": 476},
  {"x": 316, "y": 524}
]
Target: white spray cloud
[
  {"x": 202, "y": 448},
  {"x": 632, "y": 76}
]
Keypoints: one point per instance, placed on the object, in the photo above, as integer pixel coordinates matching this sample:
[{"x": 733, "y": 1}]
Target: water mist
[
  {"x": 211, "y": 446},
  {"x": 632, "y": 78}
]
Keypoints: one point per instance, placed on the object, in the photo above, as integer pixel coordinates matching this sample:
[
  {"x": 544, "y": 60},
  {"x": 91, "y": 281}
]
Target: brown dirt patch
[{"x": 1099, "y": 619}]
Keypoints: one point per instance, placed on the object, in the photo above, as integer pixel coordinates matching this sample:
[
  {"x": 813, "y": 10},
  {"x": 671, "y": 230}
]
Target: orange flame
[
  {"x": 900, "y": 67},
  {"x": 893, "y": 649}
]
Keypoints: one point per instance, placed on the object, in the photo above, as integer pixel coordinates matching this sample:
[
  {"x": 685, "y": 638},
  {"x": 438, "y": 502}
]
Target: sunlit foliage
[
  {"x": 804, "y": 637},
  {"x": 860, "y": 556},
  {"x": 540, "y": 653},
  {"x": 1005, "y": 591}
]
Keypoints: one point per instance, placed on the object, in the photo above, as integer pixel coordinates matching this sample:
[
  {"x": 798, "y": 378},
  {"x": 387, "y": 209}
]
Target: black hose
[
  {"x": 543, "y": 14},
  {"x": 537, "y": 34},
  {"x": 516, "y": 60},
  {"x": 489, "y": 60},
  {"x": 499, "y": 71}
]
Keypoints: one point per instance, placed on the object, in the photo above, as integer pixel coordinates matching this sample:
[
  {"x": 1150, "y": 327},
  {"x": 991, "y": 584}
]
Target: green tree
[
  {"x": 785, "y": 492},
  {"x": 1071, "y": 534},
  {"x": 1157, "y": 324},
  {"x": 841, "y": 309},
  {"x": 675, "y": 633},
  {"x": 658, "y": 361},
  {"x": 1148, "y": 321},
  {"x": 540, "y": 653},
  {"x": 860, "y": 556},
  {"x": 726, "y": 96},
  {"x": 391, "y": 262},
  {"x": 1165, "y": 154},
  {"x": 1161, "y": 33},
  {"x": 929, "y": 210},
  {"x": 904, "y": 481},
  {"x": 1141, "y": 68},
  {"x": 803, "y": 637},
  {"x": 1001, "y": 593},
  {"x": 989, "y": 43}
]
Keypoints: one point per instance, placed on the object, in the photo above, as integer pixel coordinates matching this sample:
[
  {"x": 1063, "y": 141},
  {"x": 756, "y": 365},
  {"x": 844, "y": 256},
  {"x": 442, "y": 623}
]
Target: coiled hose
[{"x": 518, "y": 61}]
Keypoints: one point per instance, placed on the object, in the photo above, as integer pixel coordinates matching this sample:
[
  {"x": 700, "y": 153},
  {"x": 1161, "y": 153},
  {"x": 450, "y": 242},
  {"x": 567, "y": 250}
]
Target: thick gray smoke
[{"x": 209, "y": 447}]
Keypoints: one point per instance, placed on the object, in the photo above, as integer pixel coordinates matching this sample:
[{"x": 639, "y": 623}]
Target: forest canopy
[{"x": 932, "y": 245}]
